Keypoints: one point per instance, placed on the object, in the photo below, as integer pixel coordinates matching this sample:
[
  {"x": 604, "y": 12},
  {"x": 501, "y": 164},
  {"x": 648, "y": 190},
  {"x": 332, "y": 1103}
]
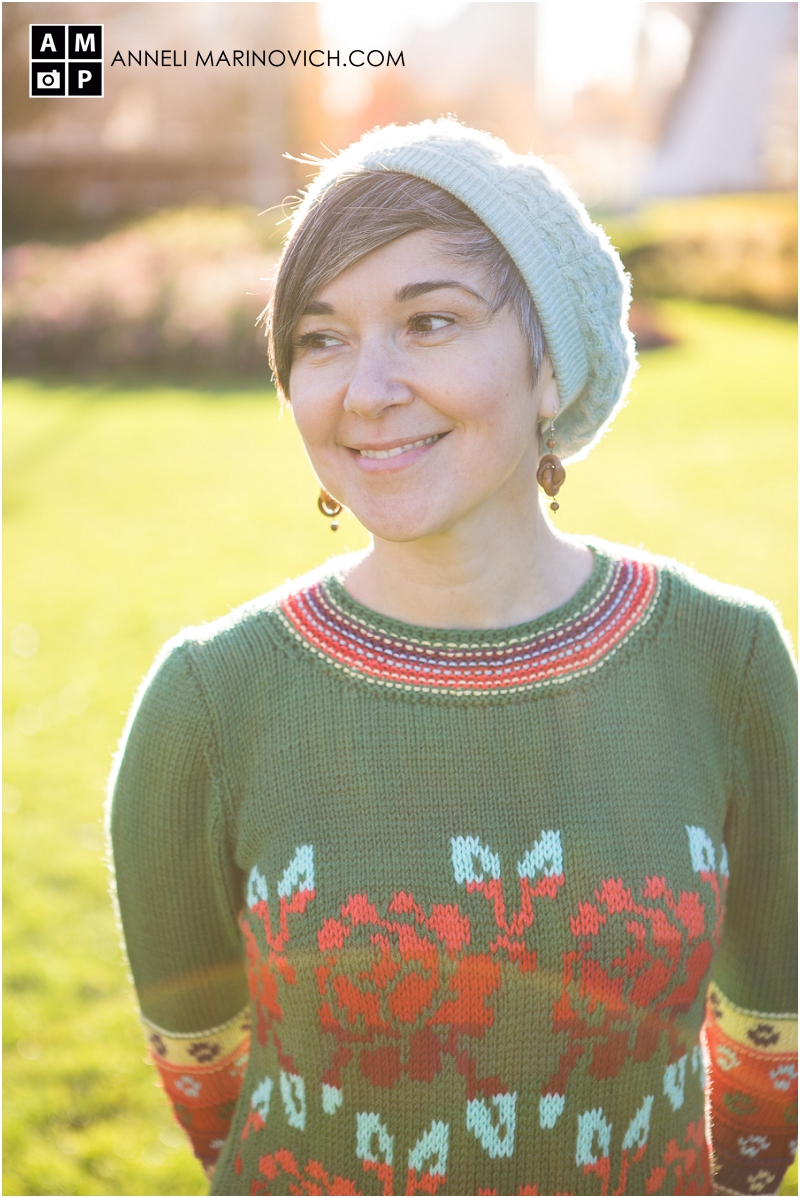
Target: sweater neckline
[{"x": 580, "y": 636}]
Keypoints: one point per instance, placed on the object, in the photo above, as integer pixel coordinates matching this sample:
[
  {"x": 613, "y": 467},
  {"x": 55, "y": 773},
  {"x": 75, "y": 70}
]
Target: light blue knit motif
[
  {"x": 466, "y": 851},
  {"x": 433, "y": 1143},
  {"x": 257, "y": 890},
  {"x": 369, "y": 1126},
  {"x": 546, "y": 855},
  {"x": 639, "y": 1128},
  {"x": 260, "y": 1098},
  {"x": 494, "y": 1129},
  {"x": 551, "y": 1107},
  {"x": 701, "y": 848},
  {"x": 299, "y": 873},
  {"x": 594, "y": 1138},
  {"x": 675, "y": 1082}
]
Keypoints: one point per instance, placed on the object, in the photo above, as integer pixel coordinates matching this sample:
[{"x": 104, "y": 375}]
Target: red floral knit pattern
[
  {"x": 311, "y": 1179},
  {"x": 753, "y": 1069},
  {"x": 282, "y": 1167},
  {"x": 622, "y": 604},
  {"x": 430, "y": 991},
  {"x": 619, "y": 1008},
  {"x": 684, "y": 1167}
]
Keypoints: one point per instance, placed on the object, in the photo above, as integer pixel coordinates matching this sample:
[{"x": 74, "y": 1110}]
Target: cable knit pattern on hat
[{"x": 575, "y": 276}]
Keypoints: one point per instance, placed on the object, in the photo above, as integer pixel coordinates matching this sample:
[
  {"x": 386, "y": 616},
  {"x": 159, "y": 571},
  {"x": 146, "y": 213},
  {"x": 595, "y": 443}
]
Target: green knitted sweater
[{"x": 420, "y": 911}]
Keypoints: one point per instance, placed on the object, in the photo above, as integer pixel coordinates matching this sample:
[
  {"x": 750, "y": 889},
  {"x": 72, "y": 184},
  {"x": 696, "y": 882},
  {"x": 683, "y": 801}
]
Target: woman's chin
[
  {"x": 397, "y": 533},
  {"x": 401, "y": 526}
]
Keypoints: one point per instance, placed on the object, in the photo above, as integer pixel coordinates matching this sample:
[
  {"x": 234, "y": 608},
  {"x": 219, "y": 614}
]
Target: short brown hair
[{"x": 364, "y": 211}]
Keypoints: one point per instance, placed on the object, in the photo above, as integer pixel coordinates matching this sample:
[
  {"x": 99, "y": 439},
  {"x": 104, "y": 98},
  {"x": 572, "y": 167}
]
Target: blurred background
[{"x": 151, "y": 480}]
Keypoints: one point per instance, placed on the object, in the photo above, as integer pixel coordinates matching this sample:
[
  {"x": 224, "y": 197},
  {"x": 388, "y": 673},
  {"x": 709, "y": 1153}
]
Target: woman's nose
[{"x": 376, "y": 383}]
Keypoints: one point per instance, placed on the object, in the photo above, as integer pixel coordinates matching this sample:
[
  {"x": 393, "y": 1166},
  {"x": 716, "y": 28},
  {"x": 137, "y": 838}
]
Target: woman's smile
[{"x": 394, "y": 455}]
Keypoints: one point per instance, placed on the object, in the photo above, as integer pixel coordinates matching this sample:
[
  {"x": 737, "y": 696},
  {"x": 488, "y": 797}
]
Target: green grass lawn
[{"x": 131, "y": 513}]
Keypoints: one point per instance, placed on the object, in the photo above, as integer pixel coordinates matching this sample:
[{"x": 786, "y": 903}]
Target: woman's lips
[
  {"x": 390, "y": 457},
  {"x": 398, "y": 449}
]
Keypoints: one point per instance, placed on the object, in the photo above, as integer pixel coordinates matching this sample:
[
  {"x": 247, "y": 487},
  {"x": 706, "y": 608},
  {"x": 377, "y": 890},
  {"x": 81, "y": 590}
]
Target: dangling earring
[
  {"x": 551, "y": 473},
  {"x": 329, "y": 507}
]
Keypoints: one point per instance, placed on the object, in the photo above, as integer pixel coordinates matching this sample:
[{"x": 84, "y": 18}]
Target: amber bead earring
[
  {"x": 551, "y": 474},
  {"x": 329, "y": 507}
]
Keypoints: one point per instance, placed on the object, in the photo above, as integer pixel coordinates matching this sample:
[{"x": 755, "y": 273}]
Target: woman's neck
[{"x": 473, "y": 577}]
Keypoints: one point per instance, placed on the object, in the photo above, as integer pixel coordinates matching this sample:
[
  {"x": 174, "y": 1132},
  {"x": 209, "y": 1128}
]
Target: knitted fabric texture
[
  {"x": 575, "y": 276},
  {"x": 426, "y": 911}
]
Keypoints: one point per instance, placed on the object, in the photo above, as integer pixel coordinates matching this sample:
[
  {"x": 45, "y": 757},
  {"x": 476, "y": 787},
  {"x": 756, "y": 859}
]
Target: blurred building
[{"x": 732, "y": 126}]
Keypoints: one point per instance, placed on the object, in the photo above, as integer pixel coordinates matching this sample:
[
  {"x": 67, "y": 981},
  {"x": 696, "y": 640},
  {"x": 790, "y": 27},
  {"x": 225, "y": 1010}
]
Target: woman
[{"x": 481, "y": 816}]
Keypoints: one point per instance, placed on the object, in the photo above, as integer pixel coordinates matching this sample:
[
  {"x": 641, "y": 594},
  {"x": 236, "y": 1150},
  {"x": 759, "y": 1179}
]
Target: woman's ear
[{"x": 549, "y": 402}]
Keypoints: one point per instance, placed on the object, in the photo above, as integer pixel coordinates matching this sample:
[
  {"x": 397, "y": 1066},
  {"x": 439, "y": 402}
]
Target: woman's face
[{"x": 414, "y": 399}]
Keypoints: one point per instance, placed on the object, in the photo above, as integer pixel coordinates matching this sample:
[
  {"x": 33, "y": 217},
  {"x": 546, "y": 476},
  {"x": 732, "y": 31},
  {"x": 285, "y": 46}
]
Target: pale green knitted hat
[{"x": 575, "y": 276}]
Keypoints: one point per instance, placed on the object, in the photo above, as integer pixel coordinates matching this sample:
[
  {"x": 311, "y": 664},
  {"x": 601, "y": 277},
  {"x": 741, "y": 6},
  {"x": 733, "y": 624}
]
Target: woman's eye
[
  {"x": 316, "y": 341},
  {"x": 426, "y": 322}
]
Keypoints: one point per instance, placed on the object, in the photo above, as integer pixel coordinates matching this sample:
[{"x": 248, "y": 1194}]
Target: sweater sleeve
[
  {"x": 178, "y": 894},
  {"x": 751, "y": 1020}
]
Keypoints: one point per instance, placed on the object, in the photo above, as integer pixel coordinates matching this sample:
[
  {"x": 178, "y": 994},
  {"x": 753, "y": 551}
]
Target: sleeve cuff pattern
[
  {"x": 202, "y": 1074},
  {"x": 752, "y": 1095}
]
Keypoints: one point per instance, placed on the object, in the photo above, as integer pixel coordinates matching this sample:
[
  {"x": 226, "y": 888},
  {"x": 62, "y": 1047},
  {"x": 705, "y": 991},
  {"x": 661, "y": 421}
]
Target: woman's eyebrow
[
  {"x": 317, "y": 308},
  {"x": 409, "y": 292},
  {"x": 413, "y": 290}
]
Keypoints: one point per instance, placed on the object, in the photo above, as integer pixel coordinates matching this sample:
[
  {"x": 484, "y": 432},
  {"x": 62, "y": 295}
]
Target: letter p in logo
[{"x": 85, "y": 78}]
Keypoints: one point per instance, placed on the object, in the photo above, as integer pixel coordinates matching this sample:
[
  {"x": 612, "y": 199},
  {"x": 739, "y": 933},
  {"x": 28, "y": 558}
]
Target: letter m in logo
[{"x": 85, "y": 42}]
